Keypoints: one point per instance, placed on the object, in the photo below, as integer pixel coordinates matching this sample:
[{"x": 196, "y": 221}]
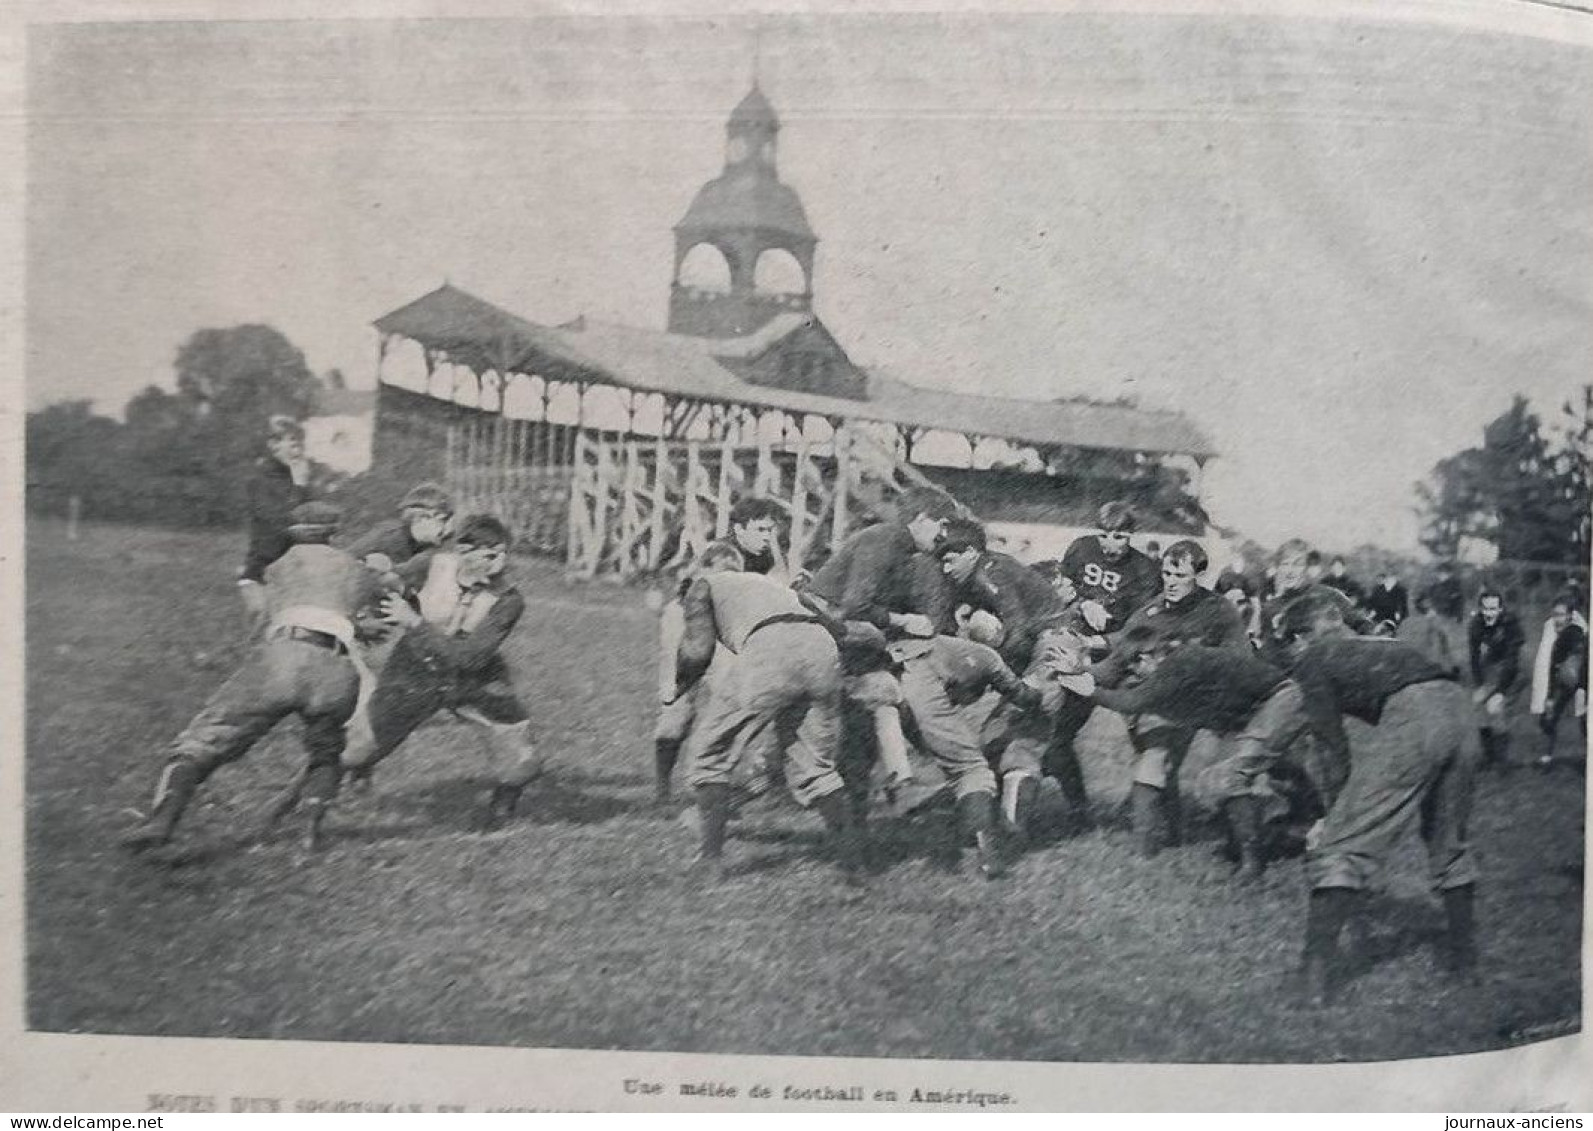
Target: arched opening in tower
[
  {"x": 705, "y": 268},
  {"x": 777, "y": 272}
]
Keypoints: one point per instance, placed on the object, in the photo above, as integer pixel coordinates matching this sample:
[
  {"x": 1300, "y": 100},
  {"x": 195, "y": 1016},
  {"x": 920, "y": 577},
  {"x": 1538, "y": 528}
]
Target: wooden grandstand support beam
[
  {"x": 655, "y": 542},
  {"x": 799, "y": 498},
  {"x": 842, "y": 441},
  {"x": 727, "y": 460}
]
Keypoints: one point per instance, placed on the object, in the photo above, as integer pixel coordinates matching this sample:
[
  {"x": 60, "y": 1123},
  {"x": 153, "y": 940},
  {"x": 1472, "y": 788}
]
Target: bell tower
[{"x": 744, "y": 250}]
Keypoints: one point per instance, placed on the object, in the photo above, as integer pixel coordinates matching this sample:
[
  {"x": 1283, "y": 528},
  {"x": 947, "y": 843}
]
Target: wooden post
[
  {"x": 655, "y": 547},
  {"x": 691, "y": 533},
  {"x": 799, "y": 499},
  {"x": 722, "y": 501},
  {"x": 630, "y": 518},
  {"x": 576, "y": 523},
  {"x": 842, "y": 442}
]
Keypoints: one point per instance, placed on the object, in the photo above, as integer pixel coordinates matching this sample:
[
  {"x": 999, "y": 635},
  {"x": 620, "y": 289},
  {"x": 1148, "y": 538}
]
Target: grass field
[{"x": 574, "y": 928}]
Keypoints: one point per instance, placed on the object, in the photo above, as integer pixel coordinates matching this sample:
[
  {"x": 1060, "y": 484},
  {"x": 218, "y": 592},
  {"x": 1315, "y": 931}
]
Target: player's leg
[
  {"x": 1379, "y": 802},
  {"x": 712, "y": 750},
  {"x": 1244, "y": 777},
  {"x": 800, "y": 679},
  {"x": 1159, "y": 748},
  {"x": 405, "y": 697},
  {"x": 1445, "y": 817},
  {"x": 669, "y": 735},
  {"x": 1019, "y": 752},
  {"x": 493, "y": 706},
  {"x": 238, "y": 714},
  {"x": 329, "y": 686},
  {"x": 1061, "y": 759},
  {"x": 949, "y": 736}
]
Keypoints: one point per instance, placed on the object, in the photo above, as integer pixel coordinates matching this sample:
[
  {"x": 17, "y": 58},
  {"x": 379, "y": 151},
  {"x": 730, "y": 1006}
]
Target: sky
[{"x": 1340, "y": 246}]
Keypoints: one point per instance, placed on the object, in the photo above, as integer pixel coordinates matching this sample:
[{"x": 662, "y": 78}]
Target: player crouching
[
  {"x": 785, "y": 686},
  {"x": 302, "y": 666},
  {"x": 1414, "y": 767}
]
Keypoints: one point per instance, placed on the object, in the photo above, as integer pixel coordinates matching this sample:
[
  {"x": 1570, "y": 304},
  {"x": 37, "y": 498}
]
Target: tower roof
[
  {"x": 755, "y": 109},
  {"x": 747, "y": 198}
]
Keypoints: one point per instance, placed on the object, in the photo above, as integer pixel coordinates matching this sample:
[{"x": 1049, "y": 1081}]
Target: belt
[
  {"x": 311, "y": 636},
  {"x": 781, "y": 618}
]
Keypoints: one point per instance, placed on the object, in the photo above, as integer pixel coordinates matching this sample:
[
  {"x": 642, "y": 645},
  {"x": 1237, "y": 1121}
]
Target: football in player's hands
[{"x": 1095, "y": 615}]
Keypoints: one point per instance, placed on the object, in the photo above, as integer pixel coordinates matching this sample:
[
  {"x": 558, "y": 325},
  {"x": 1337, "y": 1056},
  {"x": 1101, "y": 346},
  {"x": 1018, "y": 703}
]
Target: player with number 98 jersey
[{"x": 1105, "y": 569}]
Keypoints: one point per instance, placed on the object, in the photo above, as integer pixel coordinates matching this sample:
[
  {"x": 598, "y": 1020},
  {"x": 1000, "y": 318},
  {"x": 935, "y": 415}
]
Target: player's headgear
[
  {"x": 283, "y": 427},
  {"x": 1307, "y": 612},
  {"x": 427, "y": 497},
  {"x": 1117, "y": 517},
  {"x": 927, "y": 501},
  {"x": 720, "y": 555},
  {"x": 961, "y": 534},
  {"x": 1293, "y": 549},
  {"x": 1187, "y": 550},
  {"x": 483, "y": 530},
  {"x": 314, "y": 520}
]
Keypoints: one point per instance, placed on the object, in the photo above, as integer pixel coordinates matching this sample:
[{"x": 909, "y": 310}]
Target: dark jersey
[
  {"x": 1121, "y": 584},
  {"x": 271, "y": 495},
  {"x": 1202, "y": 688},
  {"x": 1200, "y": 618},
  {"x": 1023, "y": 600},
  {"x": 879, "y": 571},
  {"x": 391, "y": 539},
  {"x": 1495, "y": 651}
]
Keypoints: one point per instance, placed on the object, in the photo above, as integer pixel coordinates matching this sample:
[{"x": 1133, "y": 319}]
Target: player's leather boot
[
  {"x": 501, "y": 806},
  {"x": 1018, "y": 791},
  {"x": 1325, "y": 917},
  {"x": 178, "y": 781},
  {"x": 1459, "y": 911},
  {"x": 713, "y": 816},
  {"x": 845, "y": 834},
  {"x": 1172, "y": 812},
  {"x": 314, "y": 819},
  {"x": 361, "y": 781},
  {"x": 1145, "y": 809},
  {"x": 1245, "y": 823},
  {"x": 666, "y": 751},
  {"x": 976, "y": 812}
]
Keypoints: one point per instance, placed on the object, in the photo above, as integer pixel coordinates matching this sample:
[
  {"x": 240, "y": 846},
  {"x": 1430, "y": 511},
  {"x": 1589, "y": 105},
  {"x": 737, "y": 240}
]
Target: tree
[
  {"x": 229, "y": 384},
  {"x": 1516, "y": 491}
]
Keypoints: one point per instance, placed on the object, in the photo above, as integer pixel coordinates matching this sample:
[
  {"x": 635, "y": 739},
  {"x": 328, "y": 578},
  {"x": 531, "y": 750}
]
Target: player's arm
[
  {"x": 1474, "y": 646},
  {"x": 1009, "y": 686},
  {"x": 1150, "y": 697},
  {"x": 699, "y": 634}
]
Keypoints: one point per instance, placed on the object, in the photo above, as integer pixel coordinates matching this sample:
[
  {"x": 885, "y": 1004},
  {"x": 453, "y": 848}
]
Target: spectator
[
  {"x": 1494, "y": 640},
  {"x": 1560, "y": 672},
  {"x": 1388, "y": 602},
  {"x": 280, "y": 481},
  {"x": 1338, "y": 577}
]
